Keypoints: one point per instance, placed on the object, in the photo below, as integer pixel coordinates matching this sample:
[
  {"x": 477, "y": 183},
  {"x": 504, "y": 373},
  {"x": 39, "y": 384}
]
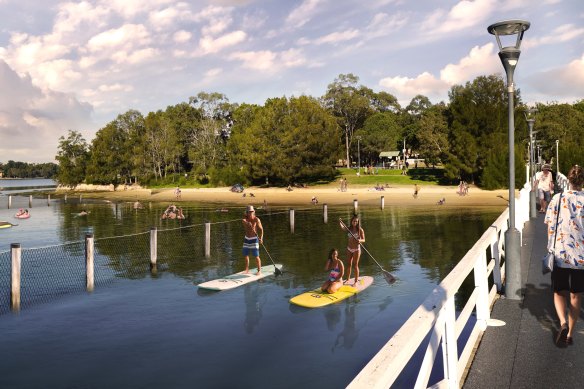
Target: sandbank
[{"x": 394, "y": 195}]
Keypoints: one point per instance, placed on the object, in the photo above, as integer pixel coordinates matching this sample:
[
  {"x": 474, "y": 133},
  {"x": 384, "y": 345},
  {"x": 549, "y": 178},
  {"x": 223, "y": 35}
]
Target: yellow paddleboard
[{"x": 317, "y": 298}]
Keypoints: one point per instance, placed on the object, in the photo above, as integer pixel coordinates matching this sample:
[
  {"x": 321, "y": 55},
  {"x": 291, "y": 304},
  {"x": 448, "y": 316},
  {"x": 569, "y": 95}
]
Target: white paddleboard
[{"x": 238, "y": 279}]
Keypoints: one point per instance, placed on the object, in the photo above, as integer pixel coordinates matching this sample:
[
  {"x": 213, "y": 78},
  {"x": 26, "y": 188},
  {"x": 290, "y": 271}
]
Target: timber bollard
[
  {"x": 382, "y": 202},
  {"x": 9, "y": 201},
  {"x": 65, "y": 197},
  {"x": 80, "y": 199},
  {"x": 15, "y": 277},
  {"x": 153, "y": 248},
  {"x": 89, "y": 263},
  {"x": 30, "y": 201},
  {"x": 325, "y": 213},
  {"x": 207, "y": 239},
  {"x": 291, "y": 220},
  {"x": 48, "y": 200},
  {"x": 355, "y": 205}
]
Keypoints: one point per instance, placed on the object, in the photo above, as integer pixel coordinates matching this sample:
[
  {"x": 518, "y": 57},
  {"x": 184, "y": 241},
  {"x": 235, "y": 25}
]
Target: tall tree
[
  {"x": 72, "y": 156},
  {"x": 350, "y": 103}
]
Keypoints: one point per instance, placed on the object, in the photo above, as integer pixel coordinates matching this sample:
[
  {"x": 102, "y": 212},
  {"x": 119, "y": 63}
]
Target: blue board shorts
[{"x": 251, "y": 246}]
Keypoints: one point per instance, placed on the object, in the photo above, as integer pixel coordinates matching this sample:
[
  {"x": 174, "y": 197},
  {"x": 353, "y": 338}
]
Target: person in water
[
  {"x": 254, "y": 235},
  {"x": 337, "y": 270},
  {"x": 356, "y": 236}
]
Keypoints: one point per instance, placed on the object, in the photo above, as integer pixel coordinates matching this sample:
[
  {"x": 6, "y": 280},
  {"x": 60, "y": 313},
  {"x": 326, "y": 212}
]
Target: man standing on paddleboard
[{"x": 253, "y": 238}]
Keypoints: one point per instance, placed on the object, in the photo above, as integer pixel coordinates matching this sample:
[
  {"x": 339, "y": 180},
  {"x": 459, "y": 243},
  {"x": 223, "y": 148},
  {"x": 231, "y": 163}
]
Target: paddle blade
[
  {"x": 389, "y": 277},
  {"x": 277, "y": 271}
]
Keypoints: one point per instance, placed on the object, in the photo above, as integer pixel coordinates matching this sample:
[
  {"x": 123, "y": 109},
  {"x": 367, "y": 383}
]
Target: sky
[{"x": 76, "y": 65}]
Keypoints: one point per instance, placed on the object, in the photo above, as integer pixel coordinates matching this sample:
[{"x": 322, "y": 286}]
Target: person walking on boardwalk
[
  {"x": 544, "y": 183},
  {"x": 254, "y": 235},
  {"x": 356, "y": 236},
  {"x": 336, "y": 268},
  {"x": 568, "y": 273}
]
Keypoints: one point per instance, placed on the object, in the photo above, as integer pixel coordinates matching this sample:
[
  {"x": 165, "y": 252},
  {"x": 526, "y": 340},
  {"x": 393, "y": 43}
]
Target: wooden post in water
[
  {"x": 15, "y": 277},
  {"x": 325, "y": 213},
  {"x": 153, "y": 248},
  {"x": 291, "y": 220},
  {"x": 65, "y": 197},
  {"x": 382, "y": 202},
  {"x": 89, "y": 263},
  {"x": 30, "y": 201},
  {"x": 48, "y": 200},
  {"x": 207, "y": 239},
  {"x": 80, "y": 199},
  {"x": 9, "y": 201},
  {"x": 355, "y": 205}
]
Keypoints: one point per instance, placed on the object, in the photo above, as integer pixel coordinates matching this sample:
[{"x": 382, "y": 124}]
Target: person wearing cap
[
  {"x": 254, "y": 235},
  {"x": 544, "y": 183}
]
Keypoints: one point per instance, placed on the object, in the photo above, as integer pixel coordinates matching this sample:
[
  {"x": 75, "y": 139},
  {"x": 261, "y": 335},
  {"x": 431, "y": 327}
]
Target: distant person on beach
[
  {"x": 178, "y": 193},
  {"x": 336, "y": 271},
  {"x": 545, "y": 186},
  {"x": 356, "y": 236},
  {"x": 254, "y": 235},
  {"x": 416, "y": 191},
  {"x": 567, "y": 210}
]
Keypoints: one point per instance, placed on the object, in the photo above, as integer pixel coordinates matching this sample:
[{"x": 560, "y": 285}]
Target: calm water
[
  {"x": 20, "y": 185},
  {"x": 150, "y": 331}
]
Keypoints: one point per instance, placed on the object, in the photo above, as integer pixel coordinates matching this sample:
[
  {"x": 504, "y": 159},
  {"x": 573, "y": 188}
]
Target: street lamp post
[
  {"x": 530, "y": 118},
  {"x": 509, "y": 56},
  {"x": 557, "y": 156}
]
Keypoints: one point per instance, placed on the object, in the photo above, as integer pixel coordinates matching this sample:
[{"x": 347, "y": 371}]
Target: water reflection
[
  {"x": 348, "y": 336},
  {"x": 253, "y": 306}
]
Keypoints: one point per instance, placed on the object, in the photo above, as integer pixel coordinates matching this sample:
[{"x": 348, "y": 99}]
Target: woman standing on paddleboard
[
  {"x": 356, "y": 236},
  {"x": 252, "y": 239}
]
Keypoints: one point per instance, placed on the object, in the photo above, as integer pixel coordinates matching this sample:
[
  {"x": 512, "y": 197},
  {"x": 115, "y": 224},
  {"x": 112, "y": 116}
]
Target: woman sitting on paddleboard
[
  {"x": 356, "y": 236},
  {"x": 337, "y": 270}
]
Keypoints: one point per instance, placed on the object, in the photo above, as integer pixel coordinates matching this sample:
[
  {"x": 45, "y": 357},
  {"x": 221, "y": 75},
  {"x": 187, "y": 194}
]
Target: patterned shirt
[{"x": 569, "y": 249}]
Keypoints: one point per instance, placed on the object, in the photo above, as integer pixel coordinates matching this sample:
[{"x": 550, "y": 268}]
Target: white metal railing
[{"x": 436, "y": 315}]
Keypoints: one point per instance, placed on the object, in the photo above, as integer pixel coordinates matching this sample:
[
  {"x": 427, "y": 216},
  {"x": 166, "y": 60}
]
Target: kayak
[
  {"x": 238, "y": 279},
  {"x": 317, "y": 298},
  {"x": 4, "y": 224}
]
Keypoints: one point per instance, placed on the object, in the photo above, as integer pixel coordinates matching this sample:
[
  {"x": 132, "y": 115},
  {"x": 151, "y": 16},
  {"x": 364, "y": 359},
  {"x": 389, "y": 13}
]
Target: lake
[{"x": 145, "y": 330}]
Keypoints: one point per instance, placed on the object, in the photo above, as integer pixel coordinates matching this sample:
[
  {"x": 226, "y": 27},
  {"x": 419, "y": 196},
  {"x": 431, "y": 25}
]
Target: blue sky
[{"x": 77, "y": 65}]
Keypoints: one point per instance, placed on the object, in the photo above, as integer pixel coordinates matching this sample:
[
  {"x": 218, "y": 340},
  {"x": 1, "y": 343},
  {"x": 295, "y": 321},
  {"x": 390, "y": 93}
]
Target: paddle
[
  {"x": 387, "y": 275},
  {"x": 277, "y": 272}
]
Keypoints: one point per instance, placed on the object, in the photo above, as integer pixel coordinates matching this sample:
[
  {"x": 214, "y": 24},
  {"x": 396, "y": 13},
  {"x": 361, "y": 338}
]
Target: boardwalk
[{"x": 522, "y": 353}]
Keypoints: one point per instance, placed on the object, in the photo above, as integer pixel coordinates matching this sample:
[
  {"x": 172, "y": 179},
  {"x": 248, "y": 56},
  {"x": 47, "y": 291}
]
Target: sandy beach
[{"x": 331, "y": 195}]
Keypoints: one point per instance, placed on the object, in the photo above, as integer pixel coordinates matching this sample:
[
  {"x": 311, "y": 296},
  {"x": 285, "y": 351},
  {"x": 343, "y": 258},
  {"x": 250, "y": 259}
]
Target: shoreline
[{"x": 330, "y": 195}]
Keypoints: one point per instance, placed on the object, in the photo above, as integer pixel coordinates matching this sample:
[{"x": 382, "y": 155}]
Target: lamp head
[{"x": 509, "y": 54}]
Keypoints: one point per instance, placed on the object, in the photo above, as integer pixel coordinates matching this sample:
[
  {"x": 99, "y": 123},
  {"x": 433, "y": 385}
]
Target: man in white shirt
[{"x": 544, "y": 183}]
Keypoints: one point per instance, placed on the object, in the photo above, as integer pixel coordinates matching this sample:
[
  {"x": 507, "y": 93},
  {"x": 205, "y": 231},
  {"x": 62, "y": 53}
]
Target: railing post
[
  {"x": 325, "y": 213},
  {"x": 153, "y": 248},
  {"x": 291, "y": 220},
  {"x": 497, "y": 279},
  {"x": 482, "y": 286},
  {"x": 89, "y": 263},
  {"x": 15, "y": 252},
  {"x": 449, "y": 346},
  {"x": 207, "y": 239},
  {"x": 382, "y": 202}
]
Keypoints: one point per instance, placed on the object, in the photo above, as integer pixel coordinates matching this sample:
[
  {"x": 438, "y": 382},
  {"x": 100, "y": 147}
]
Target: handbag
[{"x": 549, "y": 259}]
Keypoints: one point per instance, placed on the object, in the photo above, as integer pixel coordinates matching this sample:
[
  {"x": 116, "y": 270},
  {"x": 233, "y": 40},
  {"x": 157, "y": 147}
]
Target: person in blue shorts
[{"x": 254, "y": 235}]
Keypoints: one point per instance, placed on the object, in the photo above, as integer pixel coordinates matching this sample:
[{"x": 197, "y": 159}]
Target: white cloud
[
  {"x": 338, "y": 36},
  {"x": 563, "y": 33},
  {"x": 213, "y": 72},
  {"x": 209, "y": 45},
  {"x": 481, "y": 60},
  {"x": 463, "y": 15},
  {"x": 33, "y": 119},
  {"x": 303, "y": 13},
  {"x": 269, "y": 60},
  {"x": 182, "y": 36},
  {"x": 115, "y": 88},
  {"x": 565, "y": 82},
  {"x": 127, "y": 36}
]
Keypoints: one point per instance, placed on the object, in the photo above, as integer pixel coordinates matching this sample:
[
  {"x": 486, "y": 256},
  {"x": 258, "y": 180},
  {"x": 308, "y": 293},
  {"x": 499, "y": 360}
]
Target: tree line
[
  {"x": 301, "y": 139},
  {"x": 15, "y": 169}
]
